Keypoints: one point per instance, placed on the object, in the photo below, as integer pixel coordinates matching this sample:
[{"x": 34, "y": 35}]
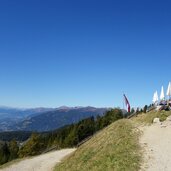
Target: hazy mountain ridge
[
  {"x": 11, "y": 116},
  {"x": 57, "y": 118},
  {"x": 7, "y": 112},
  {"x": 46, "y": 120}
]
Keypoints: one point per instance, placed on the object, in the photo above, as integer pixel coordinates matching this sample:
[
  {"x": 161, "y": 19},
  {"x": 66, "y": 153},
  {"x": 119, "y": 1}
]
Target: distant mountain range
[
  {"x": 44, "y": 119},
  {"x": 11, "y": 116},
  {"x": 7, "y": 112}
]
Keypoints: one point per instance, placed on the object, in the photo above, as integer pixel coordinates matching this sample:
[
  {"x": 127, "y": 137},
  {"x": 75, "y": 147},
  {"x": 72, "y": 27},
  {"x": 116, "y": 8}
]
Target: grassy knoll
[
  {"x": 147, "y": 118},
  {"x": 115, "y": 148}
]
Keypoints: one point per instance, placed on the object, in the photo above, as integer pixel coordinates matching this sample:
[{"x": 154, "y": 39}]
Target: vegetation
[
  {"x": 33, "y": 146},
  {"x": 114, "y": 148},
  {"x": 148, "y": 118},
  {"x": 15, "y": 135},
  {"x": 8, "y": 151},
  {"x": 13, "y": 149},
  {"x": 68, "y": 136},
  {"x": 145, "y": 109}
]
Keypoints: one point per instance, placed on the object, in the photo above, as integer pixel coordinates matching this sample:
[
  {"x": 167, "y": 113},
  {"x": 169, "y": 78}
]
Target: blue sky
[{"x": 83, "y": 52}]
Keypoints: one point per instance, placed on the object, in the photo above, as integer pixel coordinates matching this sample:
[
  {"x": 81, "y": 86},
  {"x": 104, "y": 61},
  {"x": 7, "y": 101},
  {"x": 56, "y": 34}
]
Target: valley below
[{"x": 44, "y": 119}]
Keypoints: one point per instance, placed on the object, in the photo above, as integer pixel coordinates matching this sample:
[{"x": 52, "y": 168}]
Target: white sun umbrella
[
  {"x": 162, "y": 97},
  {"x": 154, "y": 97},
  {"x": 169, "y": 90},
  {"x": 157, "y": 98}
]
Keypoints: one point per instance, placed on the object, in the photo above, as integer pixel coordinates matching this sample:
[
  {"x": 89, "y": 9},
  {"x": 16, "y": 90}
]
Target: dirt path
[
  {"x": 45, "y": 162},
  {"x": 156, "y": 142}
]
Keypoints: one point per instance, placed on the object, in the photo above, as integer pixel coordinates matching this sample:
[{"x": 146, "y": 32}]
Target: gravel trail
[
  {"x": 44, "y": 162},
  {"x": 156, "y": 143}
]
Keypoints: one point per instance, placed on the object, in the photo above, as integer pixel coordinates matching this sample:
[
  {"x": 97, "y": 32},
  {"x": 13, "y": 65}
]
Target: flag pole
[{"x": 123, "y": 101}]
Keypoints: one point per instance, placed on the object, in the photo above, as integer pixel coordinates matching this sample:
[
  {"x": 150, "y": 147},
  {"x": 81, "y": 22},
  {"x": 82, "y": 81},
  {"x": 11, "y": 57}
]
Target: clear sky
[{"x": 83, "y": 52}]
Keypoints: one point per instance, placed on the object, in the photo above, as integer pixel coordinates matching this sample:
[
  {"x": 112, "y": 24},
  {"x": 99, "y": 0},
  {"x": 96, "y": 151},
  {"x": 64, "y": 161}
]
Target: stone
[
  {"x": 168, "y": 118},
  {"x": 156, "y": 120}
]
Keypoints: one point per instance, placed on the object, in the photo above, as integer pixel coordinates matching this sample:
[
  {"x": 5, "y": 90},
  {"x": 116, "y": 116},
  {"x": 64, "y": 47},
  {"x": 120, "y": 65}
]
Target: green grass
[
  {"x": 115, "y": 148},
  {"x": 147, "y": 118}
]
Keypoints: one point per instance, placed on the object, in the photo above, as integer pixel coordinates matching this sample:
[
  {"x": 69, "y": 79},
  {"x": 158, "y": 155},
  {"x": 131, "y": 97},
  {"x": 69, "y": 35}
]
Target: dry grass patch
[
  {"x": 115, "y": 148},
  {"x": 147, "y": 118}
]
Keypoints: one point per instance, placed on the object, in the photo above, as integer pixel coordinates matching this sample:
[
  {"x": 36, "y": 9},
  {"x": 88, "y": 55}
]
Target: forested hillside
[
  {"x": 68, "y": 136},
  {"x": 15, "y": 135}
]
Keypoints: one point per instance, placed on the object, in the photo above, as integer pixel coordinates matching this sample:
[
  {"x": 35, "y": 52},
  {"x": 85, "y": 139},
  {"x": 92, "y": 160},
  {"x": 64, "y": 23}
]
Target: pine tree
[
  {"x": 145, "y": 109},
  {"x": 13, "y": 149},
  {"x": 4, "y": 153}
]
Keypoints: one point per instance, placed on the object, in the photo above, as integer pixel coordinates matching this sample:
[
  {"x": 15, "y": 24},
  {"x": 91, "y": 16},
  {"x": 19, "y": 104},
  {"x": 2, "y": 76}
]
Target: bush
[{"x": 34, "y": 146}]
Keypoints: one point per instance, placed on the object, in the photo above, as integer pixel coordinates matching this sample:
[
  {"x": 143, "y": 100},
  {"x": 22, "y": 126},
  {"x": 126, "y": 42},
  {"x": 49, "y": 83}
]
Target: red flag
[{"x": 127, "y": 104}]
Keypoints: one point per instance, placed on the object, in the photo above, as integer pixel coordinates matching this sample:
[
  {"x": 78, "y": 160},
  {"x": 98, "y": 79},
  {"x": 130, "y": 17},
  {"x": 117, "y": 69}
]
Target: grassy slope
[
  {"x": 115, "y": 148},
  {"x": 147, "y": 118}
]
